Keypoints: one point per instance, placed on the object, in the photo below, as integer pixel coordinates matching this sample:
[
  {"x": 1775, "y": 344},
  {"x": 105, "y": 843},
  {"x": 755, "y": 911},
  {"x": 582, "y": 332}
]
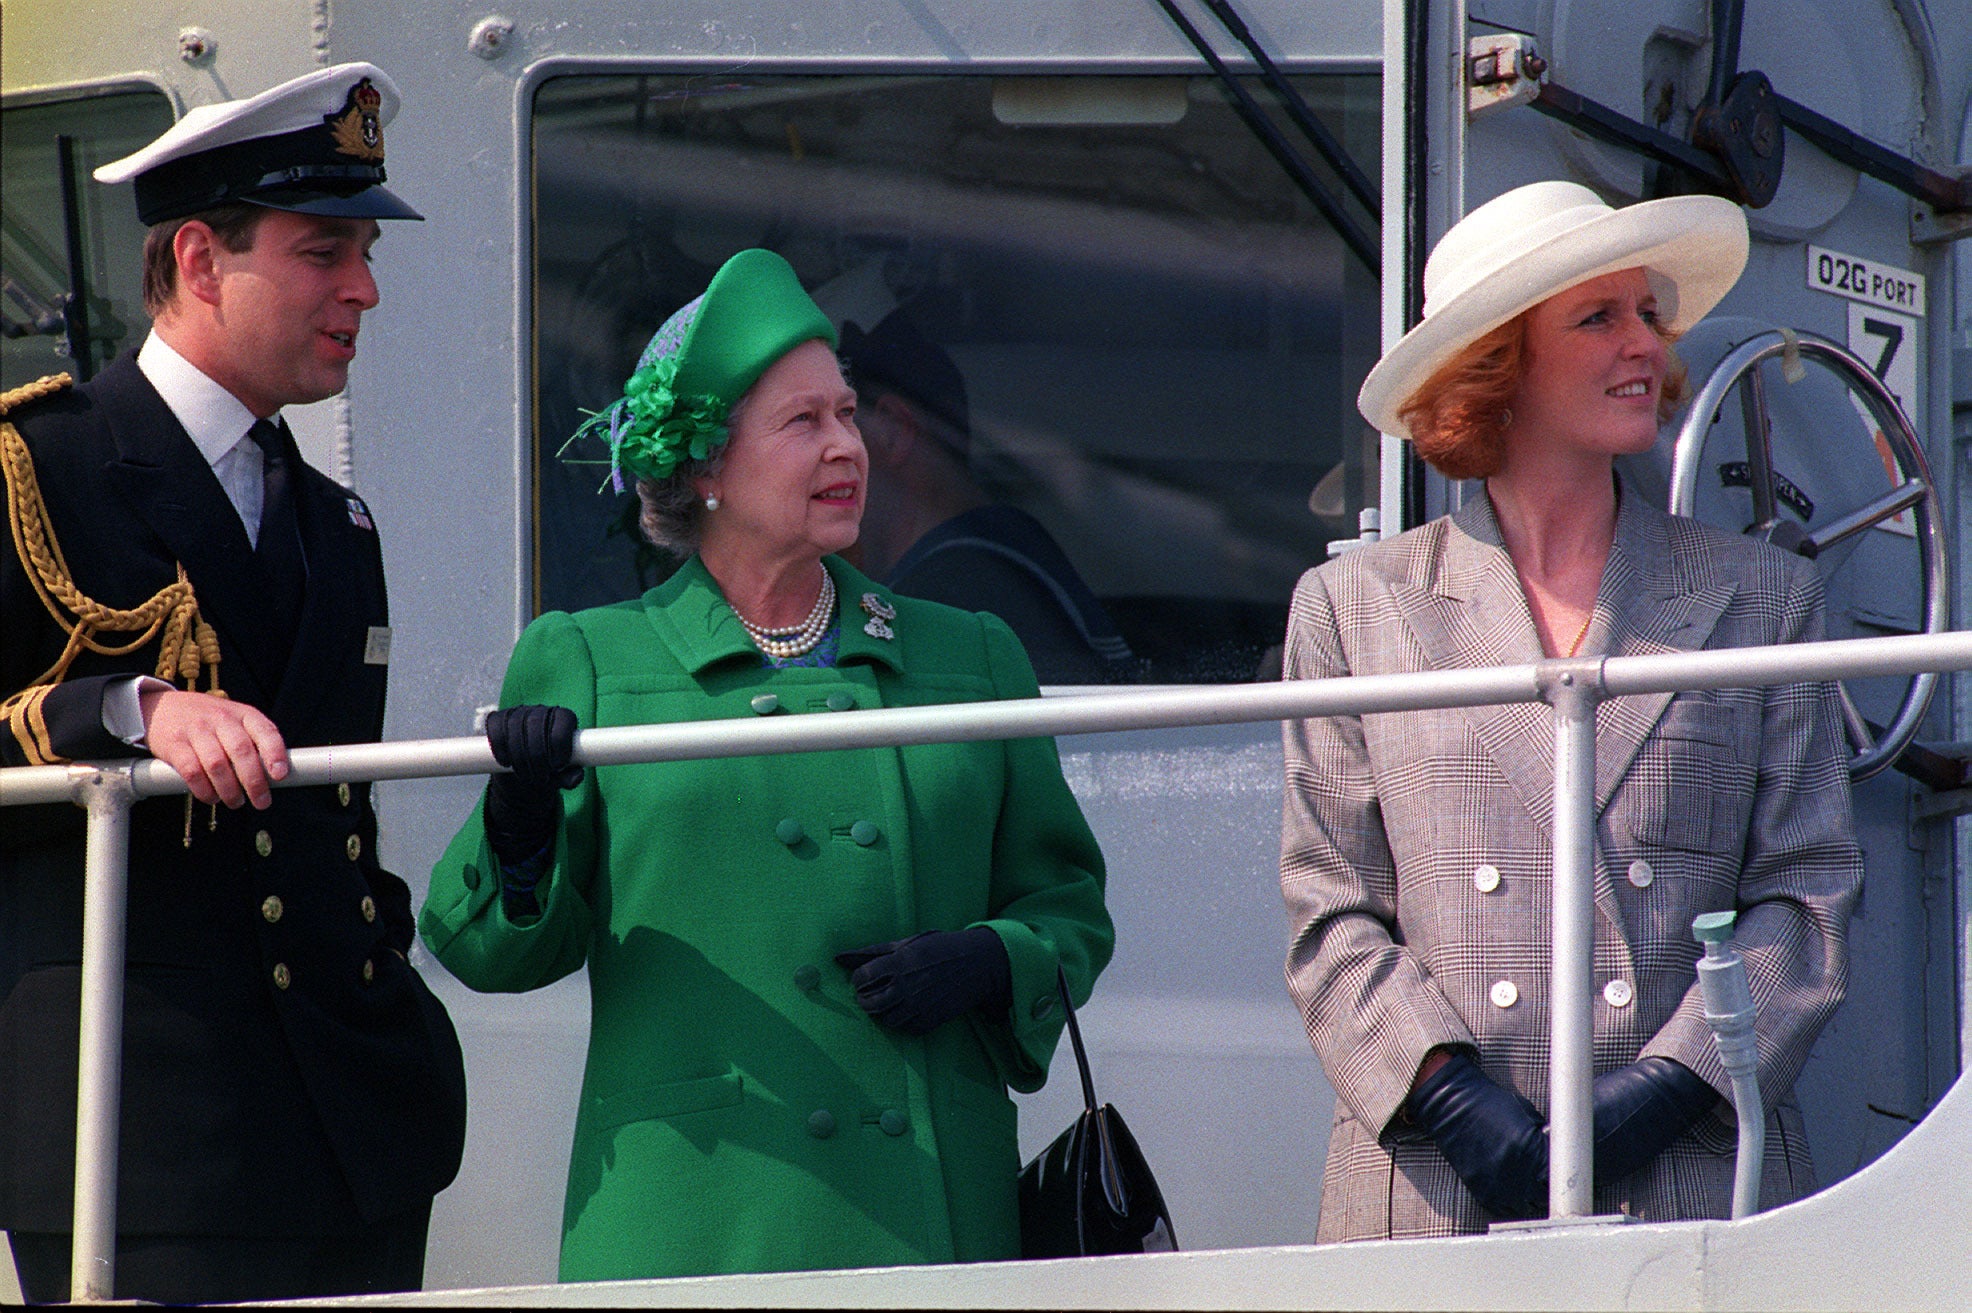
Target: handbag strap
[{"x": 1075, "y": 1037}]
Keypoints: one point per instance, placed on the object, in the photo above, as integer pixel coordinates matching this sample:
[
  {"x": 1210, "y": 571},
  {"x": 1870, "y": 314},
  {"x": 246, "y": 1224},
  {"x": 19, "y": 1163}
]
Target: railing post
[
  {"x": 107, "y": 793},
  {"x": 1573, "y": 689}
]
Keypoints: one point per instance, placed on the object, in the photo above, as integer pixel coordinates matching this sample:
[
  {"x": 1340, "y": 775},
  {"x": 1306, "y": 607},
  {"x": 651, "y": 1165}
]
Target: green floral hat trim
[
  {"x": 651, "y": 429},
  {"x": 675, "y": 407}
]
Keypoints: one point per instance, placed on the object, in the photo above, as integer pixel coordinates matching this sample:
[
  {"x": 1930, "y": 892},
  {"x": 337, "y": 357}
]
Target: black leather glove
[
  {"x": 1640, "y": 1109},
  {"x": 918, "y": 984},
  {"x": 524, "y": 806},
  {"x": 1494, "y": 1139}
]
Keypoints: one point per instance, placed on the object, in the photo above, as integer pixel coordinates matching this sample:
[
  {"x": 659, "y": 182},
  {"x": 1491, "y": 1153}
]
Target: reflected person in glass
[
  {"x": 813, "y": 976},
  {"x": 931, "y": 531},
  {"x": 1417, "y": 847}
]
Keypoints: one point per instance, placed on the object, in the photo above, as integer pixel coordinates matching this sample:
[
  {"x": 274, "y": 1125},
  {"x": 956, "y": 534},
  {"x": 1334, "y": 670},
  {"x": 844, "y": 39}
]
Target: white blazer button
[
  {"x": 1505, "y": 993},
  {"x": 1640, "y": 873},
  {"x": 1486, "y": 878},
  {"x": 1617, "y": 993}
]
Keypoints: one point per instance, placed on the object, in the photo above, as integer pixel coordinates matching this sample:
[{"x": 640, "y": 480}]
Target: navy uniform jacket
[{"x": 285, "y": 1071}]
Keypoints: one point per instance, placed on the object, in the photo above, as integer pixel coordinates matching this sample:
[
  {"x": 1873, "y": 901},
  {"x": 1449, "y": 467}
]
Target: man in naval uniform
[{"x": 177, "y": 581}]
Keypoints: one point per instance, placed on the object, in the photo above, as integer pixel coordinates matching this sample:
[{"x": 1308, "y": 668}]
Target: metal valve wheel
[{"x": 1916, "y": 491}]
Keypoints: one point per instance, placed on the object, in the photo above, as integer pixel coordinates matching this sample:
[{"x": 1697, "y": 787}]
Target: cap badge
[
  {"x": 358, "y": 126},
  {"x": 880, "y": 612}
]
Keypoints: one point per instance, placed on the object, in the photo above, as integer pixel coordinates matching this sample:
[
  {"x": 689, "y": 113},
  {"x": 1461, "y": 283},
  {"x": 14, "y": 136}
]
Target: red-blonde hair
[{"x": 1458, "y": 418}]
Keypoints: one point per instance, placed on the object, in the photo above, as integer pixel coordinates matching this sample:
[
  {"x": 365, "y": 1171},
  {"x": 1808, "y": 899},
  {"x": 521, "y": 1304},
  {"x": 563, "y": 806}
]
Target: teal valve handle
[{"x": 1731, "y": 1013}]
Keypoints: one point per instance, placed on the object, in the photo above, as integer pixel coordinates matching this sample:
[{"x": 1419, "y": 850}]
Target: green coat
[{"x": 739, "y": 1111}]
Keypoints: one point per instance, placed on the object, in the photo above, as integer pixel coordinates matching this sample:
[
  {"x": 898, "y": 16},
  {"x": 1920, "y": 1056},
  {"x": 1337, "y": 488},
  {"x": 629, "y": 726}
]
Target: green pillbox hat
[{"x": 703, "y": 359}]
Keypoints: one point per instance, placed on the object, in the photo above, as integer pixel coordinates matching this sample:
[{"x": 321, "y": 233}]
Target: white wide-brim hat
[{"x": 1517, "y": 250}]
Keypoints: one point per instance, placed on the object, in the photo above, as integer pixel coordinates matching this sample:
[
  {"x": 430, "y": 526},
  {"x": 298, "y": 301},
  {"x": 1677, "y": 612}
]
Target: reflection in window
[
  {"x": 34, "y": 266},
  {"x": 1154, "y": 340}
]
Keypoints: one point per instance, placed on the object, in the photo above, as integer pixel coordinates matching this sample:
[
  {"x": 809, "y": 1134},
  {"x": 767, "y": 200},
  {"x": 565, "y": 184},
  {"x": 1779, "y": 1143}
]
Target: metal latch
[{"x": 1501, "y": 70}]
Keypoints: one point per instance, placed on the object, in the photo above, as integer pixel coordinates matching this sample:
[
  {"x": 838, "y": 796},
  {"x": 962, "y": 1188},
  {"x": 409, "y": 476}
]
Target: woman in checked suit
[{"x": 1417, "y": 849}]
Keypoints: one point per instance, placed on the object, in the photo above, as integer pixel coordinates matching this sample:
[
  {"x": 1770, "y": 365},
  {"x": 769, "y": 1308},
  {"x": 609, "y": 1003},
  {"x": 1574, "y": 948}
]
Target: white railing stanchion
[
  {"x": 107, "y": 793},
  {"x": 1573, "y": 688}
]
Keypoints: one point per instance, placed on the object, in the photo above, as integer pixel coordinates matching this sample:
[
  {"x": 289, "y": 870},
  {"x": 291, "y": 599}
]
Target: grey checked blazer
[{"x": 1417, "y": 853}]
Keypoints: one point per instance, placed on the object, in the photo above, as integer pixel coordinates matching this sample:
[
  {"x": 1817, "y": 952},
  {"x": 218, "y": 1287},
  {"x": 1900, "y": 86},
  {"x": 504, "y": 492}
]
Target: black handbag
[{"x": 1091, "y": 1192}]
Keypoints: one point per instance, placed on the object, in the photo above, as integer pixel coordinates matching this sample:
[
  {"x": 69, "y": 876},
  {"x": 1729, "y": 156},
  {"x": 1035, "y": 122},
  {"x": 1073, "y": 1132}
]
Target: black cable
[
  {"x": 1297, "y": 168},
  {"x": 1332, "y": 151}
]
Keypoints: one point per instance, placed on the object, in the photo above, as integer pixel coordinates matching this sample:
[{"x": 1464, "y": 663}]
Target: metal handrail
[{"x": 1574, "y": 687}]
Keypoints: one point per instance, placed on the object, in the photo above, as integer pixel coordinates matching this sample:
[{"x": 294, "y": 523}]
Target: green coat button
[
  {"x": 368, "y": 907},
  {"x": 271, "y": 908},
  {"x": 790, "y": 832},
  {"x": 765, "y": 704},
  {"x": 342, "y": 794},
  {"x": 354, "y": 847},
  {"x": 369, "y": 971},
  {"x": 471, "y": 876},
  {"x": 865, "y": 833},
  {"x": 893, "y": 1122},
  {"x": 842, "y": 701},
  {"x": 263, "y": 843},
  {"x": 282, "y": 976},
  {"x": 807, "y": 978},
  {"x": 1043, "y": 1007},
  {"x": 821, "y": 1123}
]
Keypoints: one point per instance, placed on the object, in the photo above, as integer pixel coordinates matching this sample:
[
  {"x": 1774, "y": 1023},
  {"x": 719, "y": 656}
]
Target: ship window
[
  {"x": 35, "y": 232},
  {"x": 1135, "y": 346}
]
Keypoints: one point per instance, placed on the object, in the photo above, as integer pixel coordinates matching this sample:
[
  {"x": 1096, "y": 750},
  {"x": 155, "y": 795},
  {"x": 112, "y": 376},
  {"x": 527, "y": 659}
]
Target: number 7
[{"x": 1893, "y": 337}]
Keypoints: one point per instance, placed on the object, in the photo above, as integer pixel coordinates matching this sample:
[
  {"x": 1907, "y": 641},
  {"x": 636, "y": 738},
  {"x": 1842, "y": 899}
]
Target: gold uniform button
[
  {"x": 369, "y": 906},
  {"x": 263, "y": 843},
  {"x": 282, "y": 976},
  {"x": 354, "y": 847},
  {"x": 271, "y": 908},
  {"x": 342, "y": 794},
  {"x": 369, "y": 971}
]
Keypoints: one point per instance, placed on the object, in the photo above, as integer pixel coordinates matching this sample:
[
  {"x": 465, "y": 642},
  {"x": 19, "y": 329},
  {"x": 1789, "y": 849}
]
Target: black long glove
[
  {"x": 1494, "y": 1139},
  {"x": 1640, "y": 1109},
  {"x": 524, "y": 806},
  {"x": 918, "y": 984}
]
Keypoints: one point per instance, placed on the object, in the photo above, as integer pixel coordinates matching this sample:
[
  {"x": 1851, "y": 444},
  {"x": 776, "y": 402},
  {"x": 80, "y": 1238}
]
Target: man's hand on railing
[
  {"x": 226, "y": 751},
  {"x": 537, "y": 744},
  {"x": 1494, "y": 1139}
]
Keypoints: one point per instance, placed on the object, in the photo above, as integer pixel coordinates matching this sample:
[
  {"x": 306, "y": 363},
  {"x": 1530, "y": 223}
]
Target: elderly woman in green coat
[{"x": 813, "y": 977}]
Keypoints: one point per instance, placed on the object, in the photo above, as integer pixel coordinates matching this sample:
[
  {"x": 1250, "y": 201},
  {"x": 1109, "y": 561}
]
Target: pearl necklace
[{"x": 797, "y": 642}]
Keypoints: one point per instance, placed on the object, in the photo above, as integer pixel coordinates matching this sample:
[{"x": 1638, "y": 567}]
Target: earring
[{"x": 711, "y": 503}]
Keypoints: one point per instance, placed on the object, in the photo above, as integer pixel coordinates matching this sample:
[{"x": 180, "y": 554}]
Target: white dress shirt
[{"x": 217, "y": 422}]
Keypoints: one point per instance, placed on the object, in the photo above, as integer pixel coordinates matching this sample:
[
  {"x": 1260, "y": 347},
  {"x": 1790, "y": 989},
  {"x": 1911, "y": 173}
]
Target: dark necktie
[{"x": 278, "y": 550}]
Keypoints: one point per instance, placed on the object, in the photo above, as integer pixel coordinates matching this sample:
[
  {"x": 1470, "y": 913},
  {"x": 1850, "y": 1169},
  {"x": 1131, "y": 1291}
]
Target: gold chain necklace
[{"x": 1582, "y": 633}]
